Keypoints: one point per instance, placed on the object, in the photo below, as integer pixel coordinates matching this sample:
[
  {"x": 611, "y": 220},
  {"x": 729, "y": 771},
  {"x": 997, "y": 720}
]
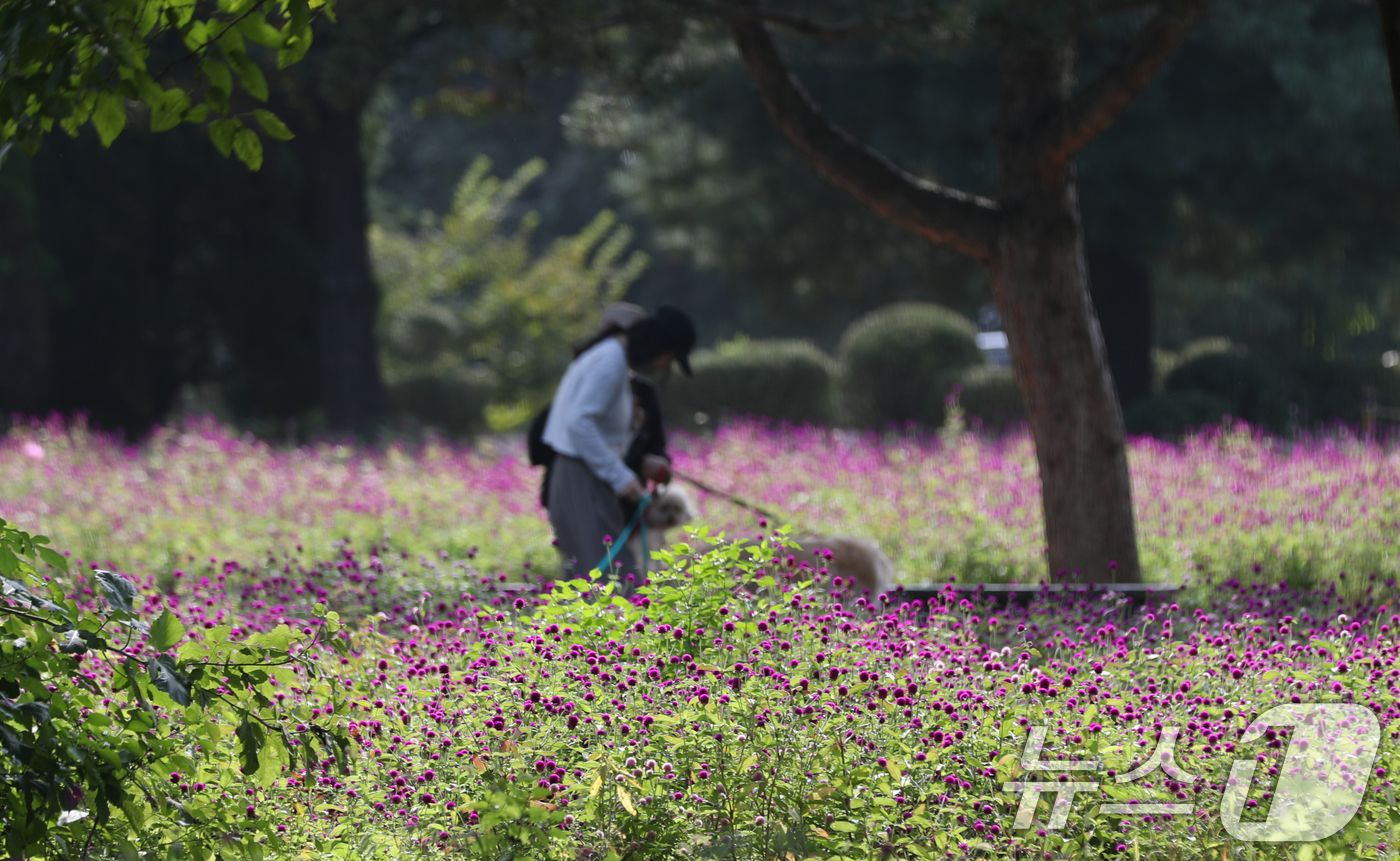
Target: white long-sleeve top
[{"x": 591, "y": 418}]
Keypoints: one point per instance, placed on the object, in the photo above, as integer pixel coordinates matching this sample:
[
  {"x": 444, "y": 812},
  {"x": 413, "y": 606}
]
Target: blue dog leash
[{"x": 621, "y": 541}]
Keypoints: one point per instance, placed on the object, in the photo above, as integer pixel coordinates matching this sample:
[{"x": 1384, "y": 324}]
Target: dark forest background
[{"x": 1250, "y": 195}]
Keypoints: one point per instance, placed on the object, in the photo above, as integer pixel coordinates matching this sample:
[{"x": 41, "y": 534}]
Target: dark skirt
[{"x": 583, "y": 510}]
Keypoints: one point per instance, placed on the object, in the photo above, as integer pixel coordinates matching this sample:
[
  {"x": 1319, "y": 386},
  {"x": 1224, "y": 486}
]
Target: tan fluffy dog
[{"x": 860, "y": 564}]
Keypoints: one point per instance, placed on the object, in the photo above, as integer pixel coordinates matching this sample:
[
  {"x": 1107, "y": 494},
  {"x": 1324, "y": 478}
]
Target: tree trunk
[
  {"x": 1057, "y": 350},
  {"x": 347, "y": 301}
]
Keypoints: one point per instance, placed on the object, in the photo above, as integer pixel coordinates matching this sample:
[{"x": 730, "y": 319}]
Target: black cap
[{"x": 680, "y": 333}]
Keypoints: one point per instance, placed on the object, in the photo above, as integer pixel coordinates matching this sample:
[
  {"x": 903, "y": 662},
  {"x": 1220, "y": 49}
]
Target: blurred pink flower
[{"x": 34, "y": 450}]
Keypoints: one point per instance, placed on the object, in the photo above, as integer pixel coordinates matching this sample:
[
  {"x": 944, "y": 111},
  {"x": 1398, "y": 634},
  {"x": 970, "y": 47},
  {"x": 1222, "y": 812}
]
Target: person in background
[
  {"x": 650, "y": 440},
  {"x": 596, "y": 421}
]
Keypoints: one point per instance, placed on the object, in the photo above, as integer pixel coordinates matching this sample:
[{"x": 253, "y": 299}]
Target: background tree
[
  {"x": 467, "y": 301},
  {"x": 1029, "y": 236}
]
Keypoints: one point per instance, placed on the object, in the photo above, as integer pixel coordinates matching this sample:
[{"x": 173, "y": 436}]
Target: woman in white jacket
[{"x": 591, "y": 424}]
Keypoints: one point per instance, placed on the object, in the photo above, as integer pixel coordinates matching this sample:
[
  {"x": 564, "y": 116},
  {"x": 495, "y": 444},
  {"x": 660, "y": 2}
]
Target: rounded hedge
[
  {"x": 781, "y": 380},
  {"x": 1170, "y": 414},
  {"x": 1258, "y": 392},
  {"x": 989, "y": 393},
  {"x": 899, "y": 362}
]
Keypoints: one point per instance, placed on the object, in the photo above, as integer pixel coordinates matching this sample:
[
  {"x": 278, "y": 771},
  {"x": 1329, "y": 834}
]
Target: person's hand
[
  {"x": 633, "y": 492},
  {"x": 656, "y": 468}
]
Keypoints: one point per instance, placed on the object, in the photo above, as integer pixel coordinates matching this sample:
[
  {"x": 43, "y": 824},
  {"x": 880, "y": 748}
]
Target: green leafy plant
[
  {"x": 463, "y": 297},
  {"x": 75, "y": 62},
  {"x": 121, "y": 735}
]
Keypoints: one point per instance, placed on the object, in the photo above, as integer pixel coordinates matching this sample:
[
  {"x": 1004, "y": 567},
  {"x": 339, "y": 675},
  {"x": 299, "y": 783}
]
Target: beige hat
[{"x": 623, "y": 314}]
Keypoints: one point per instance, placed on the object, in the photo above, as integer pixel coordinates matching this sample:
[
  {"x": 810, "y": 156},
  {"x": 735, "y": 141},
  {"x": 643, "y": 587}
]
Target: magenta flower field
[
  {"x": 968, "y": 509},
  {"x": 704, "y": 719}
]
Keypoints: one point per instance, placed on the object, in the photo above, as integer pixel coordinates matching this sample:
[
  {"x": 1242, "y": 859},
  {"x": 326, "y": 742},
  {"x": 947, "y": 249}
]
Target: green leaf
[
  {"x": 274, "y": 127},
  {"x": 248, "y": 147},
  {"x": 54, "y": 558},
  {"x": 169, "y": 110},
  {"x": 222, "y": 132},
  {"x": 250, "y": 742},
  {"x": 299, "y": 15},
  {"x": 278, "y": 639},
  {"x": 256, "y": 30},
  {"x": 251, "y": 75},
  {"x": 166, "y": 678},
  {"x": 272, "y": 757},
  {"x": 118, "y": 590},
  {"x": 217, "y": 100},
  {"x": 109, "y": 117},
  {"x": 130, "y": 667},
  {"x": 166, "y": 631},
  {"x": 295, "y": 49},
  {"x": 231, "y": 39},
  {"x": 71, "y": 643},
  {"x": 220, "y": 78}
]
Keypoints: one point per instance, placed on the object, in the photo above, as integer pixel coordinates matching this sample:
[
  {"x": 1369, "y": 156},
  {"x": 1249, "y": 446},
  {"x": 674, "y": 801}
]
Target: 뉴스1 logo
[{"x": 1320, "y": 783}]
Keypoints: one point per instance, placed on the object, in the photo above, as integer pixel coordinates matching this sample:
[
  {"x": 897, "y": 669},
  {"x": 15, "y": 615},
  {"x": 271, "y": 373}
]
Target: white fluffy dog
[{"x": 860, "y": 565}]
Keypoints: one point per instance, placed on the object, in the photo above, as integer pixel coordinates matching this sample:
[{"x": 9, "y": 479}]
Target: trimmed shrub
[
  {"x": 1166, "y": 361},
  {"x": 453, "y": 401},
  {"x": 990, "y": 394},
  {"x": 782, "y": 380},
  {"x": 1170, "y": 414},
  {"x": 1254, "y": 391},
  {"x": 899, "y": 362}
]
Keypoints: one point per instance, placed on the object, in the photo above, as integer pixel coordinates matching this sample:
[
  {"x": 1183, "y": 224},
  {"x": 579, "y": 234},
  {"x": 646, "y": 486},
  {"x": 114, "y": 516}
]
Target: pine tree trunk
[
  {"x": 347, "y": 303},
  {"x": 1057, "y": 349}
]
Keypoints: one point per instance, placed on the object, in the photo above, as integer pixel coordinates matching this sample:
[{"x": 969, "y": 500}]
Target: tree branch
[
  {"x": 1098, "y": 105},
  {"x": 949, "y": 217}
]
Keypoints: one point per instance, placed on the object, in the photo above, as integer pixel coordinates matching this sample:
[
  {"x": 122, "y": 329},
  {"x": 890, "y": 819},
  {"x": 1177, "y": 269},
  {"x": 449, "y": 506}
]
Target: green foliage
[
  {"x": 464, "y": 294},
  {"x": 75, "y": 62},
  {"x": 1255, "y": 178},
  {"x": 1346, "y": 390},
  {"x": 1170, "y": 414},
  {"x": 123, "y": 746},
  {"x": 1165, "y": 361},
  {"x": 989, "y": 393},
  {"x": 1258, "y": 392},
  {"x": 704, "y": 163},
  {"x": 789, "y": 381},
  {"x": 454, "y": 399},
  {"x": 1212, "y": 377},
  {"x": 898, "y": 363}
]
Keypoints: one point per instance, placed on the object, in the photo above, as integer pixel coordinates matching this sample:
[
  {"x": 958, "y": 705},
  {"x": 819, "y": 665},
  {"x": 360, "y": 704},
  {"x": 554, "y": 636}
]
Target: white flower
[{"x": 68, "y": 817}]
